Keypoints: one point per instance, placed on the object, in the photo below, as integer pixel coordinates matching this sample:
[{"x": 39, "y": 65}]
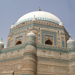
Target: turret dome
[
  {"x": 71, "y": 43},
  {"x": 31, "y": 34},
  {"x": 12, "y": 26},
  {"x": 70, "y": 40},
  {"x": 1, "y": 43}
]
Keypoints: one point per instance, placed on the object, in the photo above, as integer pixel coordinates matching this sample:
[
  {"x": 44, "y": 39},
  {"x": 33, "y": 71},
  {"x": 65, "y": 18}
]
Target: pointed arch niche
[
  {"x": 18, "y": 42},
  {"x": 49, "y": 39},
  {"x": 49, "y": 42}
]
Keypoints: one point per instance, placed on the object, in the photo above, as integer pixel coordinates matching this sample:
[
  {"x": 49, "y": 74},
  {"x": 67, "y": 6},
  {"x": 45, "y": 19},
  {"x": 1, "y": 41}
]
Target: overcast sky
[{"x": 12, "y": 10}]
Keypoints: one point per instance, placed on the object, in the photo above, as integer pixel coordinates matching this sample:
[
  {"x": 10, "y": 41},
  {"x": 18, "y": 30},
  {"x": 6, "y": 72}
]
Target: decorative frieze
[{"x": 36, "y": 22}]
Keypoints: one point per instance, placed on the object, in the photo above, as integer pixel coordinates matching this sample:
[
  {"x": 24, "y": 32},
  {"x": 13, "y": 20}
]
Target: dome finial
[{"x": 39, "y": 9}]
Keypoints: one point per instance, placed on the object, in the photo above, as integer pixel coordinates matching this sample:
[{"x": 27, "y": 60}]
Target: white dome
[
  {"x": 12, "y": 26},
  {"x": 31, "y": 34},
  {"x": 70, "y": 40},
  {"x": 39, "y": 15},
  {"x": 71, "y": 43},
  {"x": 61, "y": 23},
  {"x": 1, "y": 43}
]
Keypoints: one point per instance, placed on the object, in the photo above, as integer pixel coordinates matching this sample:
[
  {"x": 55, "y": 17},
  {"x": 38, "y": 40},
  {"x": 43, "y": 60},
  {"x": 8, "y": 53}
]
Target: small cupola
[
  {"x": 61, "y": 23},
  {"x": 12, "y": 26},
  {"x": 31, "y": 34},
  {"x": 71, "y": 43},
  {"x": 1, "y": 44}
]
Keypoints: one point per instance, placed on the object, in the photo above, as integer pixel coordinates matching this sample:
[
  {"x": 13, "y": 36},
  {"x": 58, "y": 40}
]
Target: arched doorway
[
  {"x": 49, "y": 42},
  {"x": 19, "y": 42}
]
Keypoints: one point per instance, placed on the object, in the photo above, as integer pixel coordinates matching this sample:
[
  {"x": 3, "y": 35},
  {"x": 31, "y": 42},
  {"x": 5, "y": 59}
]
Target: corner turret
[
  {"x": 12, "y": 26},
  {"x": 71, "y": 43},
  {"x": 30, "y": 55},
  {"x": 1, "y": 45}
]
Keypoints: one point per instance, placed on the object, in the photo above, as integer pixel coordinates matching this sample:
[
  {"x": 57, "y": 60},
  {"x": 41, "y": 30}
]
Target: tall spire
[{"x": 39, "y": 9}]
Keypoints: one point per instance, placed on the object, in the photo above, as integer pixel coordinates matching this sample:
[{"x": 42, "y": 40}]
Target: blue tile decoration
[
  {"x": 19, "y": 34},
  {"x": 38, "y": 38},
  {"x": 58, "y": 38},
  {"x": 39, "y": 46},
  {"x": 49, "y": 37},
  {"x": 10, "y": 49},
  {"x": 35, "y": 25},
  {"x": 8, "y": 44},
  {"x": 63, "y": 44},
  {"x": 38, "y": 18},
  {"x": 38, "y": 34},
  {"x": 54, "y": 34}
]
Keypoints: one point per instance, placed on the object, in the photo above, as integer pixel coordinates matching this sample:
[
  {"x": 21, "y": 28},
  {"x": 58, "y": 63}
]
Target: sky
[{"x": 12, "y": 10}]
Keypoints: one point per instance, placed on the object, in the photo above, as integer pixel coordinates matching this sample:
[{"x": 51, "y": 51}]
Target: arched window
[
  {"x": 19, "y": 42},
  {"x": 49, "y": 39},
  {"x": 49, "y": 42}
]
